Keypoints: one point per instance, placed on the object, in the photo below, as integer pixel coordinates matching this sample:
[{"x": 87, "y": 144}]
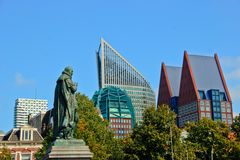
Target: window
[
  {"x": 214, "y": 109},
  {"x": 213, "y": 98},
  {"x": 217, "y": 115},
  {"x": 228, "y": 109},
  {"x": 223, "y": 109},
  {"x": 207, "y": 108},
  {"x": 26, "y": 135},
  {"x": 222, "y": 96},
  {"x": 202, "y": 94},
  {"x": 22, "y": 135},
  {"x": 207, "y": 103},
  {"x": 224, "y": 116},
  {"x": 229, "y": 116},
  {"x": 229, "y": 121},
  {"x": 26, "y": 156},
  {"x": 208, "y": 115}
]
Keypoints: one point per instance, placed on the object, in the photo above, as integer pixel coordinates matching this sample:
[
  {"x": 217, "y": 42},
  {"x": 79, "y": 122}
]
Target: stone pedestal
[{"x": 62, "y": 149}]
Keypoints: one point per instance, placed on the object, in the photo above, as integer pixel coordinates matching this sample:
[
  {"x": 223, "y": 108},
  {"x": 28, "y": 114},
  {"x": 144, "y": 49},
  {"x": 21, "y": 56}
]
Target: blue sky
[{"x": 39, "y": 38}]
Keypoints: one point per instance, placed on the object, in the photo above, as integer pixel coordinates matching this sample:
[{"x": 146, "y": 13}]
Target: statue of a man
[{"x": 65, "y": 106}]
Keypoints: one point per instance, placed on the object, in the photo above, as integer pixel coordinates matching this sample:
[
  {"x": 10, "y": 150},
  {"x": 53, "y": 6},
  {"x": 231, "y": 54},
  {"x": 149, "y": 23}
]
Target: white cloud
[{"x": 21, "y": 80}]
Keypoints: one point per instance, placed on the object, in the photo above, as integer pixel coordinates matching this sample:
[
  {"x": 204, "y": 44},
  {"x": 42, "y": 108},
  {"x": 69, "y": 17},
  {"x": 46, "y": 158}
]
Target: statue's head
[{"x": 68, "y": 70}]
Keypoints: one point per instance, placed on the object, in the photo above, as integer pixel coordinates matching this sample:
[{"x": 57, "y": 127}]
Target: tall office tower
[
  {"x": 202, "y": 91},
  {"x": 24, "y": 107},
  {"x": 114, "y": 70},
  {"x": 115, "y": 106}
]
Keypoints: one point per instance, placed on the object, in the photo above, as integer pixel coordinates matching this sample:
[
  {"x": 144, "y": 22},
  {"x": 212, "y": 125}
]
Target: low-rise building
[{"x": 23, "y": 142}]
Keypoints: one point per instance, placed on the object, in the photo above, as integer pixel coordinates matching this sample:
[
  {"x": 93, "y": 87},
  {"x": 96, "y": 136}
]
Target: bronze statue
[{"x": 64, "y": 112}]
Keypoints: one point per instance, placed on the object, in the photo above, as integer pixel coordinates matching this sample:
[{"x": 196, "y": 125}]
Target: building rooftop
[
  {"x": 206, "y": 73},
  {"x": 174, "y": 76},
  {"x": 14, "y": 134}
]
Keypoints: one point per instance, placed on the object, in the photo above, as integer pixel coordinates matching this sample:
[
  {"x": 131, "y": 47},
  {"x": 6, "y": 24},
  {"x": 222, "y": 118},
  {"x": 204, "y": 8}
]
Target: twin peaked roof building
[{"x": 196, "y": 90}]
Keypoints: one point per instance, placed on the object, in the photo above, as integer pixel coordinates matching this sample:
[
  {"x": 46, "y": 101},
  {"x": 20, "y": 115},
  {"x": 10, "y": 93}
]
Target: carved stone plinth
[{"x": 62, "y": 149}]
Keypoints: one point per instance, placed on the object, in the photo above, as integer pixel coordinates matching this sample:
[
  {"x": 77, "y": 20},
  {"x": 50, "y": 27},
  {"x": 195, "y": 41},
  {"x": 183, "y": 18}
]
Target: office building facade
[
  {"x": 27, "y": 107},
  {"x": 115, "y": 106},
  {"x": 202, "y": 91},
  {"x": 114, "y": 70}
]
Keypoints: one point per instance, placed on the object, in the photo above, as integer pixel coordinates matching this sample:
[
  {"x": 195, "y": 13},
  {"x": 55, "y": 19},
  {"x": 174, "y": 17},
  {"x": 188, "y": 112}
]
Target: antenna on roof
[{"x": 35, "y": 93}]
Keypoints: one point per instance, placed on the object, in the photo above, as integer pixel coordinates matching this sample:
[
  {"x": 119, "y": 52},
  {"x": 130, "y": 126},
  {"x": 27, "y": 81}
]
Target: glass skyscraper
[{"x": 114, "y": 70}]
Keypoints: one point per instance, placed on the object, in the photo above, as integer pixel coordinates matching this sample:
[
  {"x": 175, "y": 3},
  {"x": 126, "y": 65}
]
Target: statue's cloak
[{"x": 62, "y": 108}]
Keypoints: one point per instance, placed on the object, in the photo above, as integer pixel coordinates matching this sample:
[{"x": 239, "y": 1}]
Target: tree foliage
[
  {"x": 5, "y": 153},
  {"x": 156, "y": 138},
  {"x": 236, "y": 126},
  {"x": 95, "y": 132},
  {"x": 211, "y": 139}
]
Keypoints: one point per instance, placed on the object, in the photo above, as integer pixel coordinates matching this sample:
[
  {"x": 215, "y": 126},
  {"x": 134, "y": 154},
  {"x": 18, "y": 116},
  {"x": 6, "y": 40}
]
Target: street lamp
[
  {"x": 212, "y": 151},
  {"x": 171, "y": 142}
]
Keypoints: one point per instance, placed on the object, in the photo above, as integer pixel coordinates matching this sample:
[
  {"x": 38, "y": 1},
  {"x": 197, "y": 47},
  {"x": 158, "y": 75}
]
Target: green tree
[
  {"x": 236, "y": 126},
  {"x": 157, "y": 137},
  {"x": 211, "y": 140},
  {"x": 95, "y": 131},
  {"x": 5, "y": 153}
]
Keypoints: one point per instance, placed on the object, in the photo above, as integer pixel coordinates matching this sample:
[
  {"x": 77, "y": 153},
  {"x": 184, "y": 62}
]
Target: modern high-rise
[
  {"x": 196, "y": 90},
  {"x": 114, "y": 70},
  {"x": 115, "y": 106},
  {"x": 25, "y": 107}
]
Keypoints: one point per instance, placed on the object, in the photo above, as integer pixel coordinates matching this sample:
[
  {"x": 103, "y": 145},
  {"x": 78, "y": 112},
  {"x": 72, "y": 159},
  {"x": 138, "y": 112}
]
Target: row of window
[
  {"x": 189, "y": 108},
  {"x": 119, "y": 136},
  {"x": 191, "y": 117},
  {"x": 26, "y": 135},
  {"x": 120, "y": 126},
  {"x": 215, "y": 95},
  {"x": 227, "y": 118},
  {"x": 225, "y": 106},
  {"x": 206, "y": 114},
  {"x": 205, "y": 108},
  {"x": 121, "y": 120},
  {"x": 121, "y": 131}
]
